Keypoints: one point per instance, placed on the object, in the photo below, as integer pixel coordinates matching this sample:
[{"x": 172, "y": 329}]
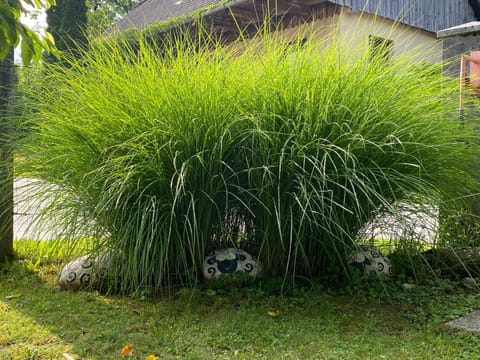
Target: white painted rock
[
  {"x": 371, "y": 261},
  {"x": 83, "y": 272},
  {"x": 227, "y": 261}
]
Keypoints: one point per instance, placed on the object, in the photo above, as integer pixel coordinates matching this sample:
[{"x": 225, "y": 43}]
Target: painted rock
[
  {"x": 227, "y": 261},
  {"x": 83, "y": 272},
  {"x": 369, "y": 260}
]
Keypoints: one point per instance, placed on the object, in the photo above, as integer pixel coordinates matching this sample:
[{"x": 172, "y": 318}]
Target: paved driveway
[{"x": 26, "y": 208}]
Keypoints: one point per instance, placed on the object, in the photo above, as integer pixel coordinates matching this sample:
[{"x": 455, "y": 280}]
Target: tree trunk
[{"x": 6, "y": 160}]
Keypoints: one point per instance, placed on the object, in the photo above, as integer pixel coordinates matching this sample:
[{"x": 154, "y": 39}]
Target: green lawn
[{"x": 39, "y": 321}]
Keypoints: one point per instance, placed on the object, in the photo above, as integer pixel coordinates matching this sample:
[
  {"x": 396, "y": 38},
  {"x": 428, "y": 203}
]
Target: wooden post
[
  {"x": 463, "y": 79},
  {"x": 6, "y": 160}
]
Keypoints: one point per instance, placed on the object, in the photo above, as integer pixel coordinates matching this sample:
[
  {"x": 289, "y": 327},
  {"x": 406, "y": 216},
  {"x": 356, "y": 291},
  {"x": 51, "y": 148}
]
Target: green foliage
[
  {"x": 12, "y": 30},
  {"x": 103, "y": 13},
  {"x": 284, "y": 150},
  {"x": 67, "y": 22},
  {"x": 460, "y": 227},
  {"x": 116, "y": 7}
]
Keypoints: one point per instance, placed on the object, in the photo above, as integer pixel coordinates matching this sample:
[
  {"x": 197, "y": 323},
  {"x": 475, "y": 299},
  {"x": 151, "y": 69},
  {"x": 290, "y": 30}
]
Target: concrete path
[{"x": 26, "y": 209}]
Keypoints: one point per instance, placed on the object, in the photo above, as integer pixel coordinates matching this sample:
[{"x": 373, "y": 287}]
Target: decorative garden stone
[
  {"x": 84, "y": 272},
  {"x": 369, "y": 260},
  {"x": 227, "y": 261}
]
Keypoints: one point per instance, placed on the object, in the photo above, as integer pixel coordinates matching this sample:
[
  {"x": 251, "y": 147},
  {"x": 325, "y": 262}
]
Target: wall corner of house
[{"x": 456, "y": 41}]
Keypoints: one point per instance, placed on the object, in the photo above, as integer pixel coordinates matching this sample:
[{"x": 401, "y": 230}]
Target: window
[{"x": 380, "y": 48}]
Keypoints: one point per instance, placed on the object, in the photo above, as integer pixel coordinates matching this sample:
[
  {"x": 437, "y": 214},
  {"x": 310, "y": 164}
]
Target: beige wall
[
  {"x": 356, "y": 28},
  {"x": 322, "y": 29}
]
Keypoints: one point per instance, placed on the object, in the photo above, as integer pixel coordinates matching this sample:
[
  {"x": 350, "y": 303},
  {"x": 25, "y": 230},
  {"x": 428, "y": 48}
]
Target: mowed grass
[{"x": 39, "y": 321}]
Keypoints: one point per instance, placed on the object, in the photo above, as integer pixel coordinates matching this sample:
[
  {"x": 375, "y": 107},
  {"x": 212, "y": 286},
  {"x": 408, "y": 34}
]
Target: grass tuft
[{"x": 287, "y": 149}]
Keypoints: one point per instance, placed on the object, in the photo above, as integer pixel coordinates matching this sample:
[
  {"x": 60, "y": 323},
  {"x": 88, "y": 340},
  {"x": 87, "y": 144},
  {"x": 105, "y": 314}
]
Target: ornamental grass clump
[{"x": 285, "y": 149}]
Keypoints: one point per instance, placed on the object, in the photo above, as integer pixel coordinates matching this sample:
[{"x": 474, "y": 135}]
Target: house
[{"x": 416, "y": 21}]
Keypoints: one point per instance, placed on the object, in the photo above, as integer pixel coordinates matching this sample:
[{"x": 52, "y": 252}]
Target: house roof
[
  {"x": 148, "y": 12},
  {"x": 430, "y": 15}
]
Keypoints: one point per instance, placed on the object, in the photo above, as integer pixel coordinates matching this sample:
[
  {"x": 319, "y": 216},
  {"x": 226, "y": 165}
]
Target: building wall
[
  {"x": 321, "y": 29},
  {"x": 353, "y": 29},
  {"x": 455, "y": 47},
  {"x": 431, "y": 15},
  {"x": 358, "y": 27}
]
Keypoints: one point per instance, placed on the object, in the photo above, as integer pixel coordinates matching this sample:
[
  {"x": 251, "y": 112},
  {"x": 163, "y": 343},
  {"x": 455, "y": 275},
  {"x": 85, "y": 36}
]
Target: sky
[{"x": 35, "y": 19}]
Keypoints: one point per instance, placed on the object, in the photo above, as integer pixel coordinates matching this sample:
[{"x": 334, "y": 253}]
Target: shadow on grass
[{"x": 53, "y": 321}]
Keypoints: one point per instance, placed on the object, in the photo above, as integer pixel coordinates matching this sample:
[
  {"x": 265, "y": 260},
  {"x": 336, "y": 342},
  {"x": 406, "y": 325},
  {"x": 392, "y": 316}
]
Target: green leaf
[
  {"x": 33, "y": 45},
  {"x": 9, "y": 28},
  {"x": 4, "y": 47},
  {"x": 27, "y": 50},
  {"x": 37, "y": 52},
  {"x": 49, "y": 45},
  {"x": 48, "y": 39},
  {"x": 14, "y": 8},
  {"x": 41, "y": 4}
]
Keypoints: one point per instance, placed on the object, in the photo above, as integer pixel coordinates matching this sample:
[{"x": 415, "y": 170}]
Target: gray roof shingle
[{"x": 149, "y": 12}]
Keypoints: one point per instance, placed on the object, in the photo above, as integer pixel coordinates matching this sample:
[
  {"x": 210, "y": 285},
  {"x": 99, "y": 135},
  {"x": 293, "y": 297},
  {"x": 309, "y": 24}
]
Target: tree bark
[{"x": 6, "y": 160}]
